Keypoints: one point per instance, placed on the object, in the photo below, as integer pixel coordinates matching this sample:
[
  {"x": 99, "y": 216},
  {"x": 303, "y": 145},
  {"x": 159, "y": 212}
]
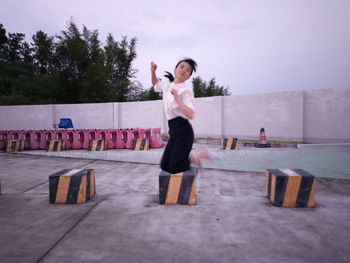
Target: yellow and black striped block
[
  {"x": 141, "y": 144},
  {"x": 74, "y": 186},
  {"x": 55, "y": 145},
  {"x": 97, "y": 145},
  {"x": 177, "y": 188},
  {"x": 290, "y": 187},
  {"x": 14, "y": 146},
  {"x": 229, "y": 143}
]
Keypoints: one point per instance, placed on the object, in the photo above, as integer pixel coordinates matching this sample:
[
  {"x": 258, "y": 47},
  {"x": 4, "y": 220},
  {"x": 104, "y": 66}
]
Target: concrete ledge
[
  {"x": 322, "y": 160},
  {"x": 325, "y": 145}
]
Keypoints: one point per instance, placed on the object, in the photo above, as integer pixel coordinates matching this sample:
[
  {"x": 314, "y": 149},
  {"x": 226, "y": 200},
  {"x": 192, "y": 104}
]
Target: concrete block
[
  {"x": 55, "y": 145},
  {"x": 14, "y": 146},
  {"x": 97, "y": 145},
  {"x": 290, "y": 187},
  {"x": 230, "y": 143},
  {"x": 141, "y": 144},
  {"x": 177, "y": 188},
  {"x": 74, "y": 186}
]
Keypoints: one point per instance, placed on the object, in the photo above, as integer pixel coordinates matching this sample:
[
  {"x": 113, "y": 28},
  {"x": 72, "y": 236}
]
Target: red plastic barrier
[
  {"x": 156, "y": 139},
  {"x": 13, "y": 135},
  {"x": 105, "y": 135},
  {"x": 59, "y": 135},
  {"x": 3, "y": 139},
  {"x": 46, "y": 135},
  {"x": 78, "y": 139},
  {"x": 88, "y": 135},
  {"x": 130, "y": 135},
  {"x": 25, "y": 136},
  {"x": 136, "y": 133},
  {"x": 102, "y": 134},
  {"x": 68, "y": 140},
  {"x": 110, "y": 137},
  {"x": 148, "y": 133},
  {"x": 144, "y": 133},
  {"x": 35, "y": 138},
  {"x": 121, "y": 139}
]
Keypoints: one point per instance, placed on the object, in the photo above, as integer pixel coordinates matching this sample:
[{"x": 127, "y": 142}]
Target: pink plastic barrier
[
  {"x": 78, "y": 139},
  {"x": 101, "y": 133},
  {"x": 156, "y": 139},
  {"x": 88, "y": 135},
  {"x": 25, "y": 136},
  {"x": 59, "y": 135},
  {"x": 46, "y": 135},
  {"x": 69, "y": 140},
  {"x": 35, "y": 138},
  {"x": 130, "y": 135},
  {"x": 110, "y": 137},
  {"x": 136, "y": 133},
  {"x": 121, "y": 139},
  {"x": 14, "y": 135},
  {"x": 144, "y": 133},
  {"x": 3, "y": 139}
]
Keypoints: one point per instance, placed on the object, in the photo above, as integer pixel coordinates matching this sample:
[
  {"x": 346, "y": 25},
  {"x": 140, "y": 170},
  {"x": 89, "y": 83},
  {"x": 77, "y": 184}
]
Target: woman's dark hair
[{"x": 190, "y": 61}]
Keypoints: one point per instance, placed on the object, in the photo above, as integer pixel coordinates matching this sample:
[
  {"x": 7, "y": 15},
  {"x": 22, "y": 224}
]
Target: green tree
[
  {"x": 150, "y": 94},
  {"x": 43, "y": 48},
  {"x": 71, "y": 61},
  {"x": 207, "y": 89},
  {"x": 15, "y": 47},
  {"x": 15, "y": 67},
  {"x": 3, "y": 44},
  {"x": 95, "y": 82},
  {"x": 119, "y": 59},
  {"x": 74, "y": 67}
]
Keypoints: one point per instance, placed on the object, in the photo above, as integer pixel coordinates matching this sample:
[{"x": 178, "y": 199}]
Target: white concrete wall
[
  {"x": 85, "y": 116},
  {"x": 281, "y": 114},
  {"x": 26, "y": 117},
  {"x": 327, "y": 115},
  {"x": 313, "y": 116},
  {"x": 208, "y": 118},
  {"x": 147, "y": 114}
]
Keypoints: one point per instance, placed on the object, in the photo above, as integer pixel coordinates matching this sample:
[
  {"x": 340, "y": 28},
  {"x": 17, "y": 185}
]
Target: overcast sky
[{"x": 249, "y": 46}]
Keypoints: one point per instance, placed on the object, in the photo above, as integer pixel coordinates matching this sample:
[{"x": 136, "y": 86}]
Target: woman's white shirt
[{"x": 171, "y": 107}]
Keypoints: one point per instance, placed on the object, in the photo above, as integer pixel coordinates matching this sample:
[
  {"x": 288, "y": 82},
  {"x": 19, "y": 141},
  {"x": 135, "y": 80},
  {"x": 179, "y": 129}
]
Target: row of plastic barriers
[{"x": 80, "y": 138}]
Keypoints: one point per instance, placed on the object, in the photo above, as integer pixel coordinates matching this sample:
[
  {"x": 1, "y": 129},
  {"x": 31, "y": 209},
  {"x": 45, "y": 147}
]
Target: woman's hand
[
  {"x": 176, "y": 96},
  {"x": 187, "y": 111},
  {"x": 154, "y": 78},
  {"x": 153, "y": 66}
]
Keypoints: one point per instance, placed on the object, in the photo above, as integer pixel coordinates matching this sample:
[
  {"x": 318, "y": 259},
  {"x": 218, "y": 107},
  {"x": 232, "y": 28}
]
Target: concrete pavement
[{"x": 233, "y": 221}]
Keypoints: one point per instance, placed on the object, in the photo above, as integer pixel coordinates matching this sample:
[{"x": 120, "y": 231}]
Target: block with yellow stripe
[
  {"x": 290, "y": 187},
  {"x": 55, "y": 145},
  {"x": 14, "y": 146},
  {"x": 177, "y": 188},
  {"x": 74, "y": 186},
  {"x": 229, "y": 143},
  {"x": 141, "y": 144},
  {"x": 97, "y": 145}
]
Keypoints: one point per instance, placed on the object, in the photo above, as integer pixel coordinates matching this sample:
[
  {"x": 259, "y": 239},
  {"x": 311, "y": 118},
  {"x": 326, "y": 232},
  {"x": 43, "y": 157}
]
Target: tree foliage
[
  {"x": 207, "y": 89},
  {"x": 75, "y": 67}
]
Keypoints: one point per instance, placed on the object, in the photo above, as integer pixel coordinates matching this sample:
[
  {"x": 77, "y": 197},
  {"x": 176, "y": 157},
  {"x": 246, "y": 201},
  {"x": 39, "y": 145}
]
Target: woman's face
[{"x": 182, "y": 72}]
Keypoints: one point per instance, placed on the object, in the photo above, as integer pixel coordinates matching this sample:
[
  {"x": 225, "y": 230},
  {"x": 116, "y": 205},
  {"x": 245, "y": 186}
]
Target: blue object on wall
[{"x": 65, "y": 123}]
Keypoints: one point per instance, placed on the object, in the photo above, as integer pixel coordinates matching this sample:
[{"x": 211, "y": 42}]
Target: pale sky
[{"x": 255, "y": 46}]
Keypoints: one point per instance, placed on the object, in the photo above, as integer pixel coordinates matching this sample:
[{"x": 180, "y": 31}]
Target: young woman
[{"x": 178, "y": 101}]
